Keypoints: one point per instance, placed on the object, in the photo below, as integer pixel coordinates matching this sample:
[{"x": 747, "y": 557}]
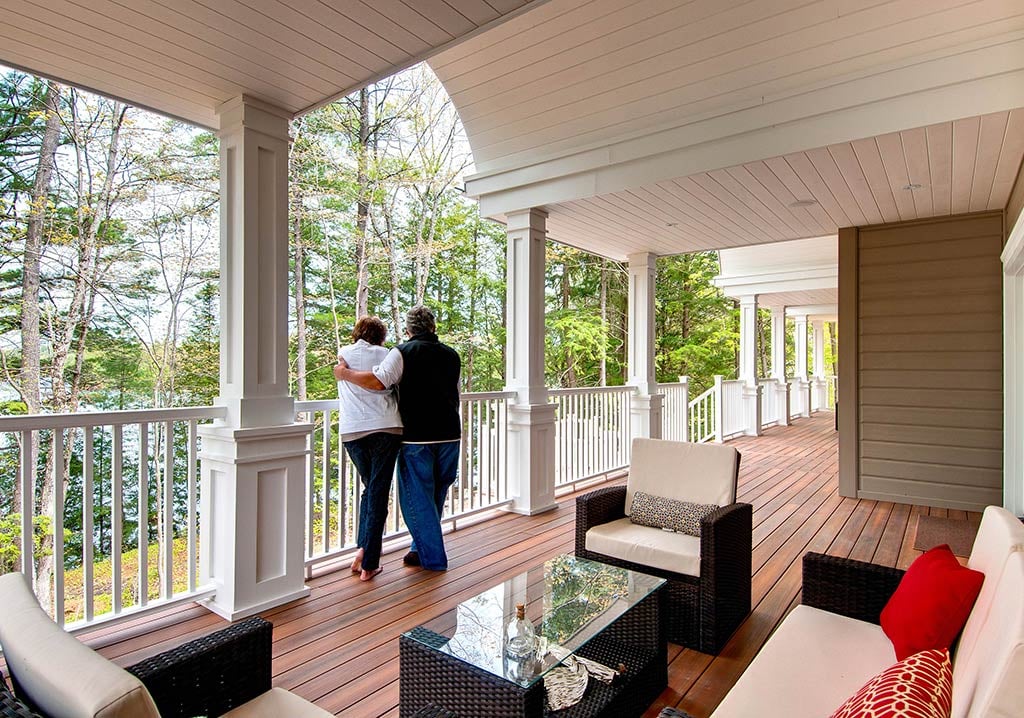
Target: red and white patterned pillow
[{"x": 919, "y": 686}]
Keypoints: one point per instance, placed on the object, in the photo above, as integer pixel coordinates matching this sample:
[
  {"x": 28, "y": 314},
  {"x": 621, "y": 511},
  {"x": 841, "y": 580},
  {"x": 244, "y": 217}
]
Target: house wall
[
  {"x": 922, "y": 303},
  {"x": 1015, "y": 205}
]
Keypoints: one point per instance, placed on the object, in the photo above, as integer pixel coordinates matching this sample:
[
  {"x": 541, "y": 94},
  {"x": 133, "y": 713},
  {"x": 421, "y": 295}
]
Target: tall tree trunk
[
  {"x": 300, "y": 300},
  {"x": 473, "y": 288},
  {"x": 362, "y": 205},
  {"x": 603, "y": 379},
  {"x": 30, "y": 334},
  {"x": 570, "y": 358}
]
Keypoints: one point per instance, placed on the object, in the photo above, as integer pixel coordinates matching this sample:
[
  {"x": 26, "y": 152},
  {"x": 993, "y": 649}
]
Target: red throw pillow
[
  {"x": 920, "y": 686},
  {"x": 931, "y": 604}
]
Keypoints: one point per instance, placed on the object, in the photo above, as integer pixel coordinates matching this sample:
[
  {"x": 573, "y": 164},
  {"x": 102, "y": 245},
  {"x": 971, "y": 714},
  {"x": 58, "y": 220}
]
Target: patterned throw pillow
[
  {"x": 661, "y": 513},
  {"x": 920, "y": 686}
]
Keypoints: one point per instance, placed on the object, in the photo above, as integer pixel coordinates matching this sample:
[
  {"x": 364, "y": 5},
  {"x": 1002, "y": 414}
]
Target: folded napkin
[{"x": 566, "y": 684}]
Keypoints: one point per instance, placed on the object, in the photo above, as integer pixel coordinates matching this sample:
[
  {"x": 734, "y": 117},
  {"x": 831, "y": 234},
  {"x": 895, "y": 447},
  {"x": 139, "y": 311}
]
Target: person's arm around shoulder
[{"x": 385, "y": 375}]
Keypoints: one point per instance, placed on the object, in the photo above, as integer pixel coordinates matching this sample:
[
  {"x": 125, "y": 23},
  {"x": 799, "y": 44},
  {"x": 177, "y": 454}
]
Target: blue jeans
[
  {"x": 425, "y": 472},
  {"x": 374, "y": 456}
]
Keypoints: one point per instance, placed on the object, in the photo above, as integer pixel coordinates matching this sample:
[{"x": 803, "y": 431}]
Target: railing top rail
[
  {"x": 486, "y": 395},
  {"x": 702, "y": 397},
  {"x": 592, "y": 390},
  {"x": 671, "y": 384},
  {"x": 36, "y": 422},
  {"x": 315, "y": 405},
  {"x": 732, "y": 382}
]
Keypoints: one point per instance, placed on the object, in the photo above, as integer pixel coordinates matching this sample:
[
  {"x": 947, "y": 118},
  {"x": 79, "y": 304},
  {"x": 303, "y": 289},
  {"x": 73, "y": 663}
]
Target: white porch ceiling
[
  {"x": 185, "y": 57},
  {"x": 964, "y": 166},
  {"x": 668, "y": 126}
]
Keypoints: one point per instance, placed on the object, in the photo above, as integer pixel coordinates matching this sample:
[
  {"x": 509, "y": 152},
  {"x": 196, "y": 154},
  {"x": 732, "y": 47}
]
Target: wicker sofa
[
  {"x": 54, "y": 674},
  {"x": 832, "y": 644},
  {"x": 708, "y": 589}
]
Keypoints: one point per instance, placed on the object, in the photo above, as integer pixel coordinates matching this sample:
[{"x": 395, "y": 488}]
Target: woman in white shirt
[{"x": 371, "y": 430}]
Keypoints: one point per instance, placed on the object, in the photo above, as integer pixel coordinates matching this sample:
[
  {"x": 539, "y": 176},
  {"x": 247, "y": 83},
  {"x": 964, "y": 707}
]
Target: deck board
[{"x": 339, "y": 648}]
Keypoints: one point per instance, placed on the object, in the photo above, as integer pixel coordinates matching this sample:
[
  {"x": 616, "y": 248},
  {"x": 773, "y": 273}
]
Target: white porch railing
[
  {"x": 675, "y": 410},
  {"x": 592, "y": 432},
  {"x": 799, "y": 398},
  {"x": 332, "y": 513},
  {"x": 704, "y": 415},
  {"x": 833, "y": 391},
  {"x": 120, "y": 462},
  {"x": 773, "y": 406},
  {"x": 733, "y": 417}
]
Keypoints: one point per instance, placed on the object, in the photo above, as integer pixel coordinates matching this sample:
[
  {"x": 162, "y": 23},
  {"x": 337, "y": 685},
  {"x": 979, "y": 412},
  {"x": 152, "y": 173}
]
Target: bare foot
[
  {"x": 367, "y": 575},
  {"x": 357, "y": 561}
]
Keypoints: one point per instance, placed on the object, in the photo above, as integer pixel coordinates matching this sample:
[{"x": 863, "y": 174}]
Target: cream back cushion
[
  {"x": 57, "y": 672},
  {"x": 999, "y": 535},
  {"x": 698, "y": 473}
]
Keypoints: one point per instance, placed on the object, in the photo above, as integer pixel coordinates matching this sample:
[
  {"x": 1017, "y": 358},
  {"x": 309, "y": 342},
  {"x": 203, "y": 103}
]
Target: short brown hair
[{"x": 370, "y": 329}]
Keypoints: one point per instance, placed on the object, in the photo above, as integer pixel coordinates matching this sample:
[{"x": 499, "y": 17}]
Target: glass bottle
[{"x": 520, "y": 639}]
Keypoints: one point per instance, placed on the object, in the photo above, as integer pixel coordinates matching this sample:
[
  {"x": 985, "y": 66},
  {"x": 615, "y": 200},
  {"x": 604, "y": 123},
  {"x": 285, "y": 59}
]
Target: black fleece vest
[{"x": 428, "y": 394}]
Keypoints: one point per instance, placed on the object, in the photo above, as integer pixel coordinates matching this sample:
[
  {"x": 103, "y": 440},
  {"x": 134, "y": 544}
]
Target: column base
[
  {"x": 253, "y": 507},
  {"x": 531, "y": 457},
  {"x": 752, "y": 409},
  {"x": 645, "y": 415}
]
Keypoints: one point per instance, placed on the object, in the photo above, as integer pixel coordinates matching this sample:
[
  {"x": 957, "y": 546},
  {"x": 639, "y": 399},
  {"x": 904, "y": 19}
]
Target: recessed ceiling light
[
  {"x": 804, "y": 203},
  {"x": 912, "y": 186},
  {"x": 671, "y": 224}
]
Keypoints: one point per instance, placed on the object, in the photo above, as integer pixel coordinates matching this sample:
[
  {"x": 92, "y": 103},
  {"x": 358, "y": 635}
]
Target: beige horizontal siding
[{"x": 930, "y": 362}]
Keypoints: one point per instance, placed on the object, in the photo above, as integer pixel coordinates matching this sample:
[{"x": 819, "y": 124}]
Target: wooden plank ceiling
[
  {"x": 951, "y": 168},
  {"x": 185, "y": 57}
]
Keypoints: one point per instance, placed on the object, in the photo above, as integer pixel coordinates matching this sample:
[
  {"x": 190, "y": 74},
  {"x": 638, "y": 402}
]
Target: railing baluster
[
  {"x": 58, "y": 525},
  {"x": 193, "y": 525},
  {"x": 116, "y": 516},
  {"x": 143, "y": 530},
  {"x": 87, "y": 523},
  {"x": 325, "y": 490},
  {"x": 167, "y": 545},
  {"x": 28, "y": 495},
  {"x": 310, "y": 487}
]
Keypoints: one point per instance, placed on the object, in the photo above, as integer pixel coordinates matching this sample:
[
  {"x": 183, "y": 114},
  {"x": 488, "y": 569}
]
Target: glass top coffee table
[{"x": 605, "y": 613}]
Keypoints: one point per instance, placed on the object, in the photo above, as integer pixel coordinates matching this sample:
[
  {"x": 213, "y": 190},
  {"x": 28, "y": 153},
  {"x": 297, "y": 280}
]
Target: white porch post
[
  {"x": 531, "y": 454},
  {"x": 748, "y": 365},
  {"x": 819, "y": 384},
  {"x": 800, "y": 382},
  {"x": 646, "y": 404},
  {"x": 781, "y": 387},
  {"x": 1013, "y": 369},
  {"x": 253, "y": 463}
]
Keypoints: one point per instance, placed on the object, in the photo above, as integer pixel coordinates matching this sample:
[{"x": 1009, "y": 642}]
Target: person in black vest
[{"x": 426, "y": 373}]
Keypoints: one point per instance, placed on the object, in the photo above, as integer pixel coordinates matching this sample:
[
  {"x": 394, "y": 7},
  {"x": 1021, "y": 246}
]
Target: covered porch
[{"x": 339, "y": 648}]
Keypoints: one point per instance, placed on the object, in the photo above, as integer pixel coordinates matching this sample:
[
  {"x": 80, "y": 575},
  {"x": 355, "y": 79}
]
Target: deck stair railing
[{"x": 705, "y": 414}]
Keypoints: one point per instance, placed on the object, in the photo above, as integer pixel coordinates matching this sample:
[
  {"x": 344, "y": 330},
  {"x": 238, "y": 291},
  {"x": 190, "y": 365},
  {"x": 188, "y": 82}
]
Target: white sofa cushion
[
  {"x": 813, "y": 662},
  {"x": 276, "y": 703},
  {"x": 63, "y": 677},
  {"x": 648, "y": 546},
  {"x": 1000, "y": 534},
  {"x": 699, "y": 473}
]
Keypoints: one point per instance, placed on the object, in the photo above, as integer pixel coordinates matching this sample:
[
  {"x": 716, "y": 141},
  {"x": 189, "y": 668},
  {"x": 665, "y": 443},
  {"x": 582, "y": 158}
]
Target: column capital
[
  {"x": 528, "y": 219},
  {"x": 246, "y": 112}
]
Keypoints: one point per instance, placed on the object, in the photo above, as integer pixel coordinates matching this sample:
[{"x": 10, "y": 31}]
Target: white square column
[
  {"x": 801, "y": 386},
  {"x": 819, "y": 383},
  {"x": 252, "y": 514},
  {"x": 531, "y": 420},
  {"x": 646, "y": 404},
  {"x": 748, "y": 365},
  {"x": 781, "y": 386}
]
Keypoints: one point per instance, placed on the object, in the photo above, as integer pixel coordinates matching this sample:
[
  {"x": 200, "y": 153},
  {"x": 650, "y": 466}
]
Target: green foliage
[{"x": 10, "y": 539}]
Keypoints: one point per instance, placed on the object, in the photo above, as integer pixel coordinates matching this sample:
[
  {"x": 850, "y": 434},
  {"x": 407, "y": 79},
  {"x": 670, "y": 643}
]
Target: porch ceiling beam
[
  {"x": 989, "y": 79},
  {"x": 772, "y": 283}
]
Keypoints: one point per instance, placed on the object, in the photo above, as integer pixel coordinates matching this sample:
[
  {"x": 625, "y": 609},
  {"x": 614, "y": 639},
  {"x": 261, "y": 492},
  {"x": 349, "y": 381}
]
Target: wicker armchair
[
  {"x": 708, "y": 578},
  {"x": 226, "y": 672}
]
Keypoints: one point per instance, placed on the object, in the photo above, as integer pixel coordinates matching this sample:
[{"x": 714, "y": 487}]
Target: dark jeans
[
  {"x": 374, "y": 457},
  {"x": 425, "y": 472}
]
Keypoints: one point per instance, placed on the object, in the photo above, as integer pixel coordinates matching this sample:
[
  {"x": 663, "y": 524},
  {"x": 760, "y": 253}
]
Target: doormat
[{"x": 934, "y": 531}]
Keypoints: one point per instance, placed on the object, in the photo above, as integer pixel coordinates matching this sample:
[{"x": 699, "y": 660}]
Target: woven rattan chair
[
  {"x": 708, "y": 577},
  {"x": 224, "y": 673}
]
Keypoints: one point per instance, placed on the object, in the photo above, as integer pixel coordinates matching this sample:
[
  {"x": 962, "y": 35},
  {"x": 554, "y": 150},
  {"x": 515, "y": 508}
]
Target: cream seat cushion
[
  {"x": 61, "y": 675},
  {"x": 813, "y": 662},
  {"x": 622, "y": 539},
  {"x": 698, "y": 473},
  {"x": 276, "y": 703}
]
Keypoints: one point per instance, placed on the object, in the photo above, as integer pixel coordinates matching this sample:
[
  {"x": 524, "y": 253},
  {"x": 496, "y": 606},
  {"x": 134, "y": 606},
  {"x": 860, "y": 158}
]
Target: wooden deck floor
[{"x": 339, "y": 647}]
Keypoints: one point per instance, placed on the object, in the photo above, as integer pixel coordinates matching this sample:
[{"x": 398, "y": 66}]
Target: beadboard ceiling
[
  {"x": 967, "y": 165},
  {"x": 185, "y": 57}
]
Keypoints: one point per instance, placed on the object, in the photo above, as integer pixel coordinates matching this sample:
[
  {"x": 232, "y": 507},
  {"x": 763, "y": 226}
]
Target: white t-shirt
[{"x": 363, "y": 411}]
